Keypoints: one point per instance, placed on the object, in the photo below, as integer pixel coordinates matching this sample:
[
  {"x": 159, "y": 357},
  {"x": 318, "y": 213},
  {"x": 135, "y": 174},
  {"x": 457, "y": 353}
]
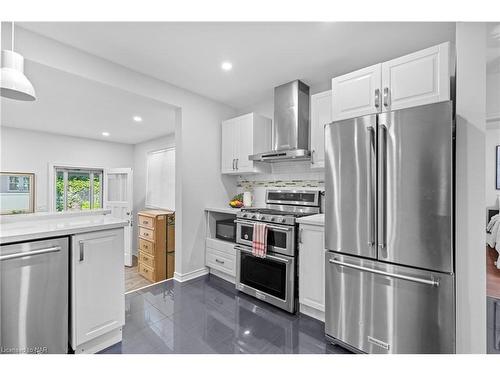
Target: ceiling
[
  {"x": 71, "y": 105},
  {"x": 263, "y": 55}
]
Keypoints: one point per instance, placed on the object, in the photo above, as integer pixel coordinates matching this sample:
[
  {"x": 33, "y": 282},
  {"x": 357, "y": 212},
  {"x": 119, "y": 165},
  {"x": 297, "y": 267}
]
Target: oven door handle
[
  {"x": 271, "y": 257},
  {"x": 274, "y": 227}
]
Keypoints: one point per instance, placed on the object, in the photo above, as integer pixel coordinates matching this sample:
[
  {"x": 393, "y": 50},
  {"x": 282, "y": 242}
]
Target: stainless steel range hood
[{"x": 291, "y": 124}]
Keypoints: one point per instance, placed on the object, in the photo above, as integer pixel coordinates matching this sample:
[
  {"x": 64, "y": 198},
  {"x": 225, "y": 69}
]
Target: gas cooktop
[{"x": 284, "y": 206}]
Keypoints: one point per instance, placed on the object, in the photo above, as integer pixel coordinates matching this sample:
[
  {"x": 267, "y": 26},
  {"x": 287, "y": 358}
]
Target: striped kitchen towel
[{"x": 259, "y": 241}]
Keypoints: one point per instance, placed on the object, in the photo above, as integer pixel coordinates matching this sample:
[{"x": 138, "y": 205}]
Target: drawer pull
[
  {"x": 219, "y": 261},
  {"x": 145, "y": 222}
]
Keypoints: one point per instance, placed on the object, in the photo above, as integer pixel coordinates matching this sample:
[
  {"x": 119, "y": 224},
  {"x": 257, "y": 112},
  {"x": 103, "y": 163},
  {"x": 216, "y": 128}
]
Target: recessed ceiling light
[
  {"x": 137, "y": 118},
  {"x": 247, "y": 332},
  {"x": 105, "y": 134},
  {"x": 227, "y": 66}
]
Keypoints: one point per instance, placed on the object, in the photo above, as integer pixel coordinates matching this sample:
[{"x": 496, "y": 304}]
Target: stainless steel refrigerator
[{"x": 389, "y": 231}]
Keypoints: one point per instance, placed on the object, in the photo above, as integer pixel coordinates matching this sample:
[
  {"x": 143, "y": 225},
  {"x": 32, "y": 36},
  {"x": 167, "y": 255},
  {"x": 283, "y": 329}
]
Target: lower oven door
[
  {"x": 280, "y": 238},
  {"x": 271, "y": 279}
]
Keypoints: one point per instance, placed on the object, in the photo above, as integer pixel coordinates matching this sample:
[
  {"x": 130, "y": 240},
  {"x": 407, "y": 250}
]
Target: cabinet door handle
[
  {"x": 386, "y": 96},
  {"x": 312, "y": 156},
  {"x": 82, "y": 251},
  {"x": 233, "y": 164},
  {"x": 237, "y": 160},
  {"x": 377, "y": 98},
  {"x": 300, "y": 235}
]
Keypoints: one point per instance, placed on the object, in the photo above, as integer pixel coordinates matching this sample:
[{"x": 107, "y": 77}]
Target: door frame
[{"x": 130, "y": 186}]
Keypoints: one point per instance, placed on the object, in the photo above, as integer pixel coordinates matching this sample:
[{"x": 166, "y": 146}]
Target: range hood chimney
[{"x": 291, "y": 124}]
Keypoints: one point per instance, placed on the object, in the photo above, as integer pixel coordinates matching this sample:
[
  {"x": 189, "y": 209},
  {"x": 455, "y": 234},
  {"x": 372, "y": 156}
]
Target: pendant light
[{"x": 13, "y": 83}]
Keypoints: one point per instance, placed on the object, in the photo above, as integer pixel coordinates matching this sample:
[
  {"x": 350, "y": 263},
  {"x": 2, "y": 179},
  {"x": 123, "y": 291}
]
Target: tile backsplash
[{"x": 284, "y": 175}]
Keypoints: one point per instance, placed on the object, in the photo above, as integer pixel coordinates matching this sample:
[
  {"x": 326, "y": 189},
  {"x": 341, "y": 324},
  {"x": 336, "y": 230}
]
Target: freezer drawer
[
  {"x": 381, "y": 308},
  {"x": 34, "y": 297}
]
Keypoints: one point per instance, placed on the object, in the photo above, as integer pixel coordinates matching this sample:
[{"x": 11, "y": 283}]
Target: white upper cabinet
[
  {"x": 228, "y": 146},
  {"x": 241, "y": 137},
  {"x": 416, "y": 79},
  {"x": 321, "y": 114},
  {"x": 357, "y": 93}
]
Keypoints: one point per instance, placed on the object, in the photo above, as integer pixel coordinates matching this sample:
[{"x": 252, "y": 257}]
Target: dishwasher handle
[
  {"x": 52, "y": 249},
  {"x": 433, "y": 281}
]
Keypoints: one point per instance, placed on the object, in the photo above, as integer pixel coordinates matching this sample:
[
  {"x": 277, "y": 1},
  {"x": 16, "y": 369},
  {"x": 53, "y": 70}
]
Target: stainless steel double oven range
[{"x": 274, "y": 278}]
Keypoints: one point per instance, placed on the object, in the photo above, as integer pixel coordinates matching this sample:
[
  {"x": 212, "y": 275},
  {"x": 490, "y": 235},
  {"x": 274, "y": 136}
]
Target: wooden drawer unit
[
  {"x": 147, "y": 233},
  {"x": 146, "y": 221},
  {"x": 147, "y": 259},
  {"x": 148, "y": 272},
  {"x": 146, "y": 246},
  {"x": 154, "y": 232}
]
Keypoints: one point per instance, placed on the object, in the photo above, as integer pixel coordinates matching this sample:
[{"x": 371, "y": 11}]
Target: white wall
[
  {"x": 470, "y": 197},
  {"x": 140, "y": 159},
  {"x": 32, "y": 151},
  {"x": 198, "y": 140}
]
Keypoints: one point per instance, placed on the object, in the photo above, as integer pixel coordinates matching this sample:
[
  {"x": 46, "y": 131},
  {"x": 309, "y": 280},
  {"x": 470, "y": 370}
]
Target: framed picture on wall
[
  {"x": 17, "y": 193},
  {"x": 498, "y": 168}
]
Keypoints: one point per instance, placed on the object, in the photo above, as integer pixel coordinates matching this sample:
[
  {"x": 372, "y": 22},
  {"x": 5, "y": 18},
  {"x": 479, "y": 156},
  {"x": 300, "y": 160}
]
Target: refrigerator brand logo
[{"x": 379, "y": 343}]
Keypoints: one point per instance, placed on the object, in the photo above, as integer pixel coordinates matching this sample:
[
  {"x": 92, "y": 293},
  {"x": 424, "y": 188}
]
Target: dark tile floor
[{"x": 207, "y": 315}]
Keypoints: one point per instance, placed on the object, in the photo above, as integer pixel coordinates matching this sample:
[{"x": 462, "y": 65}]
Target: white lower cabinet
[
  {"x": 220, "y": 258},
  {"x": 312, "y": 271},
  {"x": 97, "y": 290}
]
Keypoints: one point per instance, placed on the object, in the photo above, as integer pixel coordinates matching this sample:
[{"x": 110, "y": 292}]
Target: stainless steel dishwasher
[{"x": 34, "y": 297}]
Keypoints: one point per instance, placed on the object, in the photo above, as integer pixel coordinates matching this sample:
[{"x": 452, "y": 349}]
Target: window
[
  {"x": 160, "y": 182},
  {"x": 78, "y": 189}
]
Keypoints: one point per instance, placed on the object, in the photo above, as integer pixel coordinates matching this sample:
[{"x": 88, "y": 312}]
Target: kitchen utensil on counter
[{"x": 247, "y": 199}]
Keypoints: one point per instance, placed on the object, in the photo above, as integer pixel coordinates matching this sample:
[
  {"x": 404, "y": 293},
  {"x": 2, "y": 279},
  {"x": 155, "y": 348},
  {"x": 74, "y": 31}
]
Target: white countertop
[
  {"x": 318, "y": 219},
  {"x": 25, "y": 230},
  {"x": 224, "y": 210}
]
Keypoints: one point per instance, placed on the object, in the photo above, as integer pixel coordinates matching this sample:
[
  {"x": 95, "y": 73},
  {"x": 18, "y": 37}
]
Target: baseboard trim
[
  {"x": 147, "y": 286},
  {"x": 312, "y": 312},
  {"x": 223, "y": 276},
  {"x": 190, "y": 275}
]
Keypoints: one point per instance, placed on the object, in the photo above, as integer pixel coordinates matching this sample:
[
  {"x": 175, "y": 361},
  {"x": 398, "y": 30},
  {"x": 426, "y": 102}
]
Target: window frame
[{"x": 66, "y": 169}]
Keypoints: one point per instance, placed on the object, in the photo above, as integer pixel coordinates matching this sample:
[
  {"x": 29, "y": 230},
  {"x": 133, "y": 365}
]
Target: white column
[{"x": 470, "y": 189}]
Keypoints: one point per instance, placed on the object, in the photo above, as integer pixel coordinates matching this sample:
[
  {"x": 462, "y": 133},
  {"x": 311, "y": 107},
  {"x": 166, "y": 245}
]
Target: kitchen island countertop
[{"x": 26, "y": 230}]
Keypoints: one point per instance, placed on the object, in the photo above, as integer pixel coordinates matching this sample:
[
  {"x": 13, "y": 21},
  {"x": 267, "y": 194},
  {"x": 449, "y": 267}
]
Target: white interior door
[{"x": 118, "y": 199}]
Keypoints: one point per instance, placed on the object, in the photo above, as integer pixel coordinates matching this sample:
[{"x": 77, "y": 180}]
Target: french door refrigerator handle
[
  {"x": 47, "y": 250},
  {"x": 371, "y": 186},
  {"x": 382, "y": 185},
  {"x": 433, "y": 281}
]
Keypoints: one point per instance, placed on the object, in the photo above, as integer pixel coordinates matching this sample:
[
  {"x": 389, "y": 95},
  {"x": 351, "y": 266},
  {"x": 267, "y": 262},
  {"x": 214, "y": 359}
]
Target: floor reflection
[{"x": 207, "y": 315}]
